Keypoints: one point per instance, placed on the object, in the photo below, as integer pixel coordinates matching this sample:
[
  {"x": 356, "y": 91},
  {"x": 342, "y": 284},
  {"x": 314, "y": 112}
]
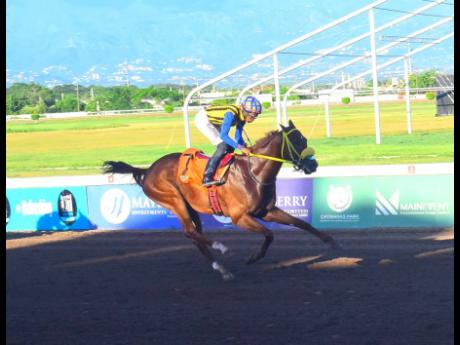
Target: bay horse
[{"x": 249, "y": 193}]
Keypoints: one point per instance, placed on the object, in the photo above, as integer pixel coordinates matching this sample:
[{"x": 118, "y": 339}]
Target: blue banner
[
  {"x": 293, "y": 196},
  {"x": 57, "y": 208},
  {"x": 126, "y": 207}
]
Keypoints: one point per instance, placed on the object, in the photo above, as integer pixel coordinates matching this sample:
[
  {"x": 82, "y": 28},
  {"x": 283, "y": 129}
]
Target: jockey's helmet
[{"x": 252, "y": 106}]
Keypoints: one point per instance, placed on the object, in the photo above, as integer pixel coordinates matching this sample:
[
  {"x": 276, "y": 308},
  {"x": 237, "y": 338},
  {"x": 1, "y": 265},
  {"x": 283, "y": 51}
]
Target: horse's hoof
[
  {"x": 228, "y": 276},
  {"x": 252, "y": 259},
  {"x": 335, "y": 245}
]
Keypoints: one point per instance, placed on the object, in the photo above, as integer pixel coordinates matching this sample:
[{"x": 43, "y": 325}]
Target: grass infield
[{"x": 53, "y": 147}]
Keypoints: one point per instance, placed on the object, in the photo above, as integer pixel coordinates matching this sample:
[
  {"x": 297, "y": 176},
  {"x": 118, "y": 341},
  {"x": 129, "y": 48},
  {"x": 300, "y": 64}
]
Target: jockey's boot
[{"x": 211, "y": 167}]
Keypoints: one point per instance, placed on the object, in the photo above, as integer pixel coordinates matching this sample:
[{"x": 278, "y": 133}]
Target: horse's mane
[{"x": 265, "y": 140}]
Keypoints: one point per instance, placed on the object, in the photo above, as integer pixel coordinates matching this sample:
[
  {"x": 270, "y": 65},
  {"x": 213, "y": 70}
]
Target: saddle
[{"x": 192, "y": 163}]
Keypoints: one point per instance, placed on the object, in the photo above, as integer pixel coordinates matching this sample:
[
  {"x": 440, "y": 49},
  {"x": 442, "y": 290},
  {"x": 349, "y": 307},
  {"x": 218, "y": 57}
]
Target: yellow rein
[
  {"x": 290, "y": 147},
  {"x": 276, "y": 159}
]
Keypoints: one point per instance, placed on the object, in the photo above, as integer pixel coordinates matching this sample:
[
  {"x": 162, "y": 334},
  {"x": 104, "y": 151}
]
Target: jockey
[{"x": 215, "y": 121}]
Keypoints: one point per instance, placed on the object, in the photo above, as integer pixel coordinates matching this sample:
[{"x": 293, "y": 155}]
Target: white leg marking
[
  {"x": 225, "y": 274},
  {"x": 219, "y": 246}
]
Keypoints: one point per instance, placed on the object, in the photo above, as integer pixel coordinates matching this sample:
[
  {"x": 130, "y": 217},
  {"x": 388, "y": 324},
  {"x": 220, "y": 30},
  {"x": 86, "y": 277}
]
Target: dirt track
[{"x": 129, "y": 287}]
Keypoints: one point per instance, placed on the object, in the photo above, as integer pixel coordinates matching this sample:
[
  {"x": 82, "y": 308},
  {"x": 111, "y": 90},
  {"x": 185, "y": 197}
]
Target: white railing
[
  {"x": 95, "y": 113},
  {"x": 323, "y": 171}
]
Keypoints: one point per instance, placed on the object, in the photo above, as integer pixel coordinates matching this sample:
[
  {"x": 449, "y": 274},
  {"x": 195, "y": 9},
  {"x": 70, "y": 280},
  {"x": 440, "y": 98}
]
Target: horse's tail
[{"x": 123, "y": 168}]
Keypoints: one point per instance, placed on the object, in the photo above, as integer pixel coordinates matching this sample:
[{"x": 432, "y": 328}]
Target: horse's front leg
[
  {"x": 249, "y": 223},
  {"x": 279, "y": 216}
]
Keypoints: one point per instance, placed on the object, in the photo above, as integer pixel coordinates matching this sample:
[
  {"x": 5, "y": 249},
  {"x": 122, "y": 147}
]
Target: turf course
[{"x": 53, "y": 147}]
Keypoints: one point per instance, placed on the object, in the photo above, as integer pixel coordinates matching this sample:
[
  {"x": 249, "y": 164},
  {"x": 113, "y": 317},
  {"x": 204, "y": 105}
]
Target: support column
[
  {"x": 374, "y": 77},
  {"x": 277, "y": 89},
  {"x": 408, "y": 109},
  {"x": 326, "y": 113}
]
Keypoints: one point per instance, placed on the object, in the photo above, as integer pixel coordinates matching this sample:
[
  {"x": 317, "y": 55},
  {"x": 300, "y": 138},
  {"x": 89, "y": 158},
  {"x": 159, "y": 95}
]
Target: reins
[
  {"x": 286, "y": 143},
  {"x": 276, "y": 159}
]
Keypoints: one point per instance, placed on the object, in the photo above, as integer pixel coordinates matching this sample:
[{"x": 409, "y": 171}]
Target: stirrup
[{"x": 211, "y": 183}]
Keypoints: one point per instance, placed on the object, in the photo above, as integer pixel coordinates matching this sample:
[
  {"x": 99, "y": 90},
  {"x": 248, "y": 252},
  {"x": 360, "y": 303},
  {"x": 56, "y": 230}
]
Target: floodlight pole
[
  {"x": 406, "y": 82},
  {"x": 374, "y": 76}
]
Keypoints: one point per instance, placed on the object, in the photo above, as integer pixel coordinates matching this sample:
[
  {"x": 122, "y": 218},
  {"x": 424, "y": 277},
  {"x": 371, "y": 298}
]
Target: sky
[{"x": 112, "y": 42}]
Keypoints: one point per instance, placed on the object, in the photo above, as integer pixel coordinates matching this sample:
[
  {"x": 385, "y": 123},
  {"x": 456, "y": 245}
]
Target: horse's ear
[{"x": 291, "y": 124}]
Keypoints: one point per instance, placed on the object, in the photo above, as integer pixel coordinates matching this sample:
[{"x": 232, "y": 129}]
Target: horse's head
[{"x": 296, "y": 149}]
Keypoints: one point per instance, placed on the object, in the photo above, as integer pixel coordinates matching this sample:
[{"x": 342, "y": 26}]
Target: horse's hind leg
[
  {"x": 173, "y": 200},
  {"x": 193, "y": 230},
  {"x": 279, "y": 216},
  {"x": 226, "y": 275},
  {"x": 249, "y": 223}
]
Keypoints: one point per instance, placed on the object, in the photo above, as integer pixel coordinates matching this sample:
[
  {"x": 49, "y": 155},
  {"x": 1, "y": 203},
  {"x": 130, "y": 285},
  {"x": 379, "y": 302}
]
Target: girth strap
[{"x": 214, "y": 201}]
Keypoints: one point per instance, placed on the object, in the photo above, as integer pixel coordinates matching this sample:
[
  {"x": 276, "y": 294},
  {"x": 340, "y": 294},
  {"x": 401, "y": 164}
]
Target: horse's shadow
[{"x": 348, "y": 257}]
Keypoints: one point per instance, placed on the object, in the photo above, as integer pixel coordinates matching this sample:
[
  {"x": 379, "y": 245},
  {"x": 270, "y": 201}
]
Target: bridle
[{"x": 294, "y": 156}]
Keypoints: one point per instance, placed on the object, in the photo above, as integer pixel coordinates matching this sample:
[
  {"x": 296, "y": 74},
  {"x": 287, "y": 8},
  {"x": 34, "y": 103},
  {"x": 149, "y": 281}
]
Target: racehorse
[{"x": 249, "y": 193}]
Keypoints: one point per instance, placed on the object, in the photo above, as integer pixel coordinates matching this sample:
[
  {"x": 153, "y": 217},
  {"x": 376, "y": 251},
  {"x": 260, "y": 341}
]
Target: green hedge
[
  {"x": 430, "y": 95},
  {"x": 168, "y": 108},
  {"x": 266, "y": 105},
  {"x": 345, "y": 100}
]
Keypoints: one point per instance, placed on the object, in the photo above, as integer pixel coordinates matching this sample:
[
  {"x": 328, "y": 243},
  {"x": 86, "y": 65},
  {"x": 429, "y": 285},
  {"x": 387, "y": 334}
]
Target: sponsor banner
[
  {"x": 293, "y": 196},
  {"x": 127, "y": 207},
  {"x": 383, "y": 201},
  {"x": 121, "y": 207},
  {"x": 406, "y": 201},
  {"x": 342, "y": 202},
  {"x": 57, "y": 208}
]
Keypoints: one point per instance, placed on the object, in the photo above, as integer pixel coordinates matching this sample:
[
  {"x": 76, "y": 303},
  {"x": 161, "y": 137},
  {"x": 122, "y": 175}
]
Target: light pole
[{"x": 78, "y": 99}]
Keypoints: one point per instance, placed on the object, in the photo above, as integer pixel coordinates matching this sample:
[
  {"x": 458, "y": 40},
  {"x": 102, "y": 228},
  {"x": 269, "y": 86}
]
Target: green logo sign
[
  {"x": 383, "y": 201},
  {"x": 341, "y": 202},
  {"x": 421, "y": 201}
]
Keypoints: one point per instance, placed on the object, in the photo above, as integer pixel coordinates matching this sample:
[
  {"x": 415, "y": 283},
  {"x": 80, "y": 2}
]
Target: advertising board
[
  {"x": 293, "y": 196},
  {"x": 57, "y": 208},
  {"x": 127, "y": 207},
  {"x": 325, "y": 202},
  {"x": 383, "y": 201},
  {"x": 419, "y": 201}
]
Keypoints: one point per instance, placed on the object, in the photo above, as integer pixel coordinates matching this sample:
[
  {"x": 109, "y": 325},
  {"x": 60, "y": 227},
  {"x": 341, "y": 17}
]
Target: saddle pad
[{"x": 192, "y": 163}]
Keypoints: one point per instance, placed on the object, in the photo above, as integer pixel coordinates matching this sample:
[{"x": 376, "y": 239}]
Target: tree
[
  {"x": 120, "y": 98},
  {"x": 423, "y": 79},
  {"x": 19, "y": 95},
  {"x": 47, "y": 97},
  {"x": 67, "y": 104}
]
